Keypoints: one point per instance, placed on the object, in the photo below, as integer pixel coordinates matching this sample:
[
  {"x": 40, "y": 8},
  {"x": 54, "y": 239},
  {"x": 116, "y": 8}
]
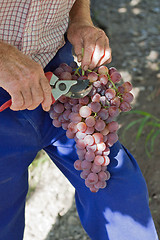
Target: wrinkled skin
[{"x": 93, "y": 40}]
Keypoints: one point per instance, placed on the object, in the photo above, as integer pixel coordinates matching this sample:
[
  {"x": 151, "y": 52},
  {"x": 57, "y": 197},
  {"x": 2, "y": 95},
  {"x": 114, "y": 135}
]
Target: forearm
[{"x": 81, "y": 11}]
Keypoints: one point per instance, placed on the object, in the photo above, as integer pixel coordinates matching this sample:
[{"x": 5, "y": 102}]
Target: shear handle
[{"x": 9, "y": 102}]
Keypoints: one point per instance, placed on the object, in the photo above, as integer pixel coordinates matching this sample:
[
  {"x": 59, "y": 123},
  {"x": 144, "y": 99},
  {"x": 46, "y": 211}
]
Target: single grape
[
  {"x": 100, "y": 125},
  {"x": 125, "y": 106},
  {"x": 89, "y": 140},
  {"x": 95, "y": 106},
  {"x": 98, "y": 137},
  {"x": 127, "y": 97},
  {"x": 115, "y": 77},
  {"x": 127, "y": 86},
  {"x": 85, "y": 111},
  {"x": 89, "y": 156},
  {"x": 77, "y": 165},
  {"x": 65, "y": 76},
  {"x": 92, "y": 178},
  {"x": 93, "y": 76},
  {"x": 86, "y": 164},
  {"x": 99, "y": 160},
  {"x": 81, "y": 126},
  {"x": 113, "y": 126},
  {"x": 103, "y": 79},
  {"x": 90, "y": 121},
  {"x": 110, "y": 93},
  {"x": 103, "y": 70}
]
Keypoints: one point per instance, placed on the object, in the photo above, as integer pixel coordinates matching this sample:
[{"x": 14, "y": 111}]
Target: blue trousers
[{"x": 118, "y": 212}]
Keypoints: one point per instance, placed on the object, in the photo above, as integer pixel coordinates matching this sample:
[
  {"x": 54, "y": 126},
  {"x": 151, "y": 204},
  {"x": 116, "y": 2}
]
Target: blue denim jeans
[{"x": 118, "y": 212}]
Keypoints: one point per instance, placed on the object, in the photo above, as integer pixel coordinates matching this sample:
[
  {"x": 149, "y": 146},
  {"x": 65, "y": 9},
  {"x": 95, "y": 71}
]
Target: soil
[{"x": 134, "y": 32}]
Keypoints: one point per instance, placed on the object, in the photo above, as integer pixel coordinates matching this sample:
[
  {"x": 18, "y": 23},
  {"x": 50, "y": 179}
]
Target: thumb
[{"x": 79, "y": 50}]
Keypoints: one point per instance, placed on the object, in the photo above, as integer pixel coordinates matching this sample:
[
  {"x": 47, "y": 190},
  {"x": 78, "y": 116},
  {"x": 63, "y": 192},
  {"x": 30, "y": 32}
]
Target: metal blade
[{"x": 79, "y": 90}]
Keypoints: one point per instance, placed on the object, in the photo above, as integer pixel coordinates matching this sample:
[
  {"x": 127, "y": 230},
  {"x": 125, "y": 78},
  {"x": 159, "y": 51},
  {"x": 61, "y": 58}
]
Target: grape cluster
[{"x": 91, "y": 120}]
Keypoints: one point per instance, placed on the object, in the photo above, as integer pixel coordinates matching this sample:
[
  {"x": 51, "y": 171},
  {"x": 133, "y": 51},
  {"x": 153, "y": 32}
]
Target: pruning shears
[{"x": 70, "y": 88}]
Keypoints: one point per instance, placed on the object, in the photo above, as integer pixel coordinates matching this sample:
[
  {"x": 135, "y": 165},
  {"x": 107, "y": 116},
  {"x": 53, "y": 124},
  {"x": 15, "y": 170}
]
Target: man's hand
[
  {"x": 23, "y": 79},
  {"x": 83, "y": 34},
  {"x": 93, "y": 40}
]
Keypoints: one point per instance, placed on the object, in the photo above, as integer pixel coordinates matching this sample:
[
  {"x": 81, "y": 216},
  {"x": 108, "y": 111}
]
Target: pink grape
[
  {"x": 106, "y": 161},
  {"x": 89, "y": 130},
  {"x": 125, "y": 106},
  {"x": 102, "y": 176},
  {"x": 115, "y": 77},
  {"x": 99, "y": 160},
  {"x": 77, "y": 165},
  {"x": 115, "y": 102},
  {"x": 85, "y": 111},
  {"x": 75, "y": 117},
  {"x": 98, "y": 137},
  {"x": 65, "y": 76},
  {"x": 58, "y": 71},
  {"x": 65, "y": 67},
  {"x": 93, "y": 76},
  {"x": 112, "y": 70},
  {"x": 70, "y": 134},
  {"x": 96, "y": 97},
  {"x": 110, "y": 93},
  {"x": 103, "y": 114},
  {"x": 103, "y": 79},
  {"x": 127, "y": 86},
  {"x": 84, "y": 100},
  {"x": 92, "y": 148},
  {"x": 59, "y": 108},
  {"x": 105, "y": 131},
  {"x": 100, "y": 125},
  {"x": 84, "y": 173},
  {"x": 103, "y": 70},
  {"x": 112, "y": 138},
  {"x": 113, "y": 126},
  {"x": 81, "y": 126},
  {"x": 95, "y": 168},
  {"x": 56, "y": 123},
  {"x": 127, "y": 97},
  {"x": 72, "y": 127},
  {"x": 113, "y": 111},
  {"x": 80, "y": 135},
  {"x": 80, "y": 144},
  {"x": 101, "y": 146},
  {"x": 89, "y": 156},
  {"x": 106, "y": 152},
  {"x": 89, "y": 140},
  {"x": 90, "y": 121},
  {"x": 92, "y": 178},
  {"x": 95, "y": 106},
  {"x": 86, "y": 164}
]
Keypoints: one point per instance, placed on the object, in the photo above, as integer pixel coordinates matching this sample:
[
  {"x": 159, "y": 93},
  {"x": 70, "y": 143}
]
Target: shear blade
[{"x": 80, "y": 89}]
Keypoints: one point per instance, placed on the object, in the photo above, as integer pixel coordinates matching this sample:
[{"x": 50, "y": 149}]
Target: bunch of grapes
[{"x": 91, "y": 120}]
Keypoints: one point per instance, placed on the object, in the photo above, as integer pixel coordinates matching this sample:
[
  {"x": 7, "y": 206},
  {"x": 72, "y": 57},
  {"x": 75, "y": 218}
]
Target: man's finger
[
  {"x": 97, "y": 54},
  {"x": 47, "y": 99},
  {"x": 37, "y": 96},
  {"x": 107, "y": 57},
  {"x": 17, "y": 100}
]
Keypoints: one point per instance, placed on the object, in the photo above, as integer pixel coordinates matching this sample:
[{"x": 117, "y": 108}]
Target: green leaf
[
  {"x": 142, "y": 125},
  {"x": 131, "y": 124},
  {"x": 144, "y": 114},
  {"x": 147, "y": 141},
  {"x": 153, "y": 139}
]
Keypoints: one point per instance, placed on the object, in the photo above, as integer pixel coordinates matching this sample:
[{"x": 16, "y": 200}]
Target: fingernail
[
  {"x": 79, "y": 58},
  {"x": 85, "y": 68}
]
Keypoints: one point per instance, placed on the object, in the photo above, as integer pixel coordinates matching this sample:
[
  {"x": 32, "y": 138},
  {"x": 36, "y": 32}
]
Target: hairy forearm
[{"x": 80, "y": 11}]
